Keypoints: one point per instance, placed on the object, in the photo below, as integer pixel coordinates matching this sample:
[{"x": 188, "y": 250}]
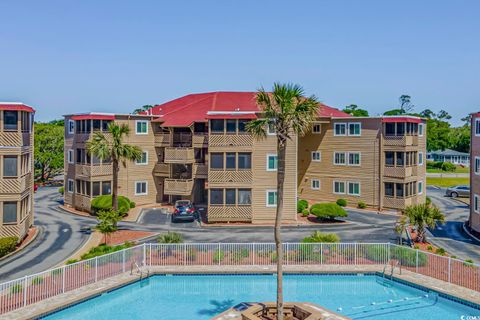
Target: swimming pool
[{"x": 175, "y": 297}]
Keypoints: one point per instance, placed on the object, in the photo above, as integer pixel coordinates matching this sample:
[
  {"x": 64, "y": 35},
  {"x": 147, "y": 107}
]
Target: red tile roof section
[
  {"x": 402, "y": 119},
  {"x": 93, "y": 117},
  {"x": 191, "y": 108},
  {"x": 15, "y": 107}
]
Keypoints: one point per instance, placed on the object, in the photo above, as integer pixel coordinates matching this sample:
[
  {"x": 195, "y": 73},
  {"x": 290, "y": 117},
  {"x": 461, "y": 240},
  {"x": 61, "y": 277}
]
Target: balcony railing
[
  {"x": 229, "y": 213},
  {"x": 181, "y": 187},
  {"x": 88, "y": 170},
  {"x": 400, "y": 172},
  {"x": 400, "y": 141},
  {"x": 162, "y": 140},
  {"x": 179, "y": 155},
  {"x": 15, "y": 185},
  {"x": 15, "y": 139},
  {"x": 200, "y": 140},
  {"x": 399, "y": 203},
  {"x": 200, "y": 170},
  {"x": 162, "y": 170},
  {"x": 228, "y": 177},
  {"x": 230, "y": 140}
]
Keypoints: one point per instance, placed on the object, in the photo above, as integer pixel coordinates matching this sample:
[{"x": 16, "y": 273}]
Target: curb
[
  {"x": 206, "y": 225},
  {"x": 76, "y": 214},
  {"x": 468, "y": 232},
  {"x": 24, "y": 246}
]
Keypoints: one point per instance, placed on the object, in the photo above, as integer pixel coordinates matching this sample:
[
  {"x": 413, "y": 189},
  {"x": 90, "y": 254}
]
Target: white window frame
[
  {"x": 268, "y": 162},
  {"x": 136, "y": 127},
  {"x": 359, "y": 188},
  {"x": 345, "y": 157},
  {"x": 143, "y": 163},
  {"x": 344, "y": 187},
  {"x": 335, "y": 129},
  {"x": 420, "y": 183},
  {"x": 266, "y": 198},
  {"x": 476, "y": 168},
  {"x": 312, "y": 184},
  {"x": 421, "y": 156},
  {"x": 68, "y": 186},
  {"x": 477, "y": 125},
  {"x": 71, "y": 127},
  {"x": 421, "y": 125},
  {"x": 347, "y": 160},
  {"x": 319, "y": 156},
  {"x": 319, "y": 125},
  {"x": 70, "y": 156},
  {"x": 146, "y": 188},
  {"x": 476, "y": 203},
  {"x": 271, "y": 133},
  {"x": 354, "y": 123}
]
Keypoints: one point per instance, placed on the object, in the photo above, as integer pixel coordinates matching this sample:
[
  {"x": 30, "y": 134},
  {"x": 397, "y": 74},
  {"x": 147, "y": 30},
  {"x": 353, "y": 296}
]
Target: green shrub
[
  {"x": 7, "y": 245},
  {"x": 37, "y": 280},
  {"x": 327, "y": 211},
  {"x": 16, "y": 288},
  {"x": 105, "y": 203},
  {"x": 431, "y": 165},
  {"x": 342, "y": 202},
  {"x": 378, "y": 253},
  {"x": 302, "y": 205},
  {"x": 170, "y": 237},
  {"x": 319, "y": 237},
  {"x": 104, "y": 249},
  {"x": 448, "y": 167},
  {"x": 361, "y": 205},
  {"x": 61, "y": 190},
  {"x": 408, "y": 257},
  {"x": 429, "y": 248},
  {"x": 56, "y": 272},
  {"x": 428, "y": 201},
  {"x": 416, "y": 246},
  {"x": 440, "y": 251},
  {"x": 132, "y": 204},
  {"x": 71, "y": 261},
  {"x": 239, "y": 255},
  {"x": 305, "y": 212},
  {"x": 453, "y": 257},
  {"x": 191, "y": 254},
  {"x": 468, "y": 263},
  {"x": 218, "y": 256}
]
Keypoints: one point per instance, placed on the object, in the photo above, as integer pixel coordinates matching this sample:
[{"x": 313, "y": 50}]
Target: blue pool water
[{"x": 203, "y": 296}]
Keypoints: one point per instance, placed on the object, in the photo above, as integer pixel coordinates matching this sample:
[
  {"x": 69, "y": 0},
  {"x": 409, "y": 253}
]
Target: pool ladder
[
  {"x": 397, "y": 264},
  {"x": 135, "y": 266}
]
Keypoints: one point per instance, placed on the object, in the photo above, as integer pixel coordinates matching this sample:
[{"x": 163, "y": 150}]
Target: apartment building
[
  {"x": 16, "y": 169},
  {"x": 196, "y": 147},
  {"x": 474, "y": 221}
]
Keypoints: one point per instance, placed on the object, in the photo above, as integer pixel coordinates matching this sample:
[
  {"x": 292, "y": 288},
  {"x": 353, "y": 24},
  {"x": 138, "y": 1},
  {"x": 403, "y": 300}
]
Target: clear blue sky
[{"x": 113, "y": 56}]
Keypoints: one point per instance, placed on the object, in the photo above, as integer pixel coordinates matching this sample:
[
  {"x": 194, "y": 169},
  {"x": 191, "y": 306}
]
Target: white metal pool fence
[{"x": 30, "y": 289}]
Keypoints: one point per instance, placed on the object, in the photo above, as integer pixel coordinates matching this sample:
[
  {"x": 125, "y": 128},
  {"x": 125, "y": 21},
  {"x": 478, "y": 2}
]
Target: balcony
[
  {"x": 229, "y": 213},
  {"x": 88, "y": 171},
  {"x": 162, "y": 140},
  {"x": 200, "y": 140},
  {"x": 230, "y": 140},
  {"x": 400, "y": 172},
  {"x": 400, "y": 141},
  {"x": 161, "y": 170},
  {"x": 15, "y": 139},
  {"x": 241, "y": 177},
  {"x": 179, "y": 155},
  {"x": 200, "y": 170},
  {"x": 181, "y": 187},
  {"x": 399, "y": 203},
  {"x": 15, "y": 185}
]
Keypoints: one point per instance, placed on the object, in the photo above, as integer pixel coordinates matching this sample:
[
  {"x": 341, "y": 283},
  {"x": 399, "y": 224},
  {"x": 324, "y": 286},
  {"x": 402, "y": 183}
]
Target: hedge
[
  {"x": 7, "y": 245},
  {"x": 302, "y": 205},
  {"x": 342, "y": 202},
  {"x": 105, "y": 203},
  {"x": 328, "y": 210}
]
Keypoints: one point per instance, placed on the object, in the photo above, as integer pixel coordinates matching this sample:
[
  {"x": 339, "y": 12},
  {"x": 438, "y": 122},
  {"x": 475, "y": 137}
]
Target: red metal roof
[
  {"x": 15, "y": 106},
  {"x": 232, "y": 116},
  {"x": 93, "y": 117},
  {"x": 402, "y": 119},
  {"x": 191, "y": 108}
]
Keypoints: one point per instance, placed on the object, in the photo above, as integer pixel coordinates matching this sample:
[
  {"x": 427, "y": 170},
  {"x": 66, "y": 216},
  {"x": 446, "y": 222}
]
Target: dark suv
[{"x": 184, "y": 213}]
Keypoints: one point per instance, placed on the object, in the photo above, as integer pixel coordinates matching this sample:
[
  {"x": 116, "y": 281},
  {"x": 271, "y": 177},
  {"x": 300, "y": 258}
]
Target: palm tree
[
  {"x": 112, "y": 147},
  {"x": 107, "y": 223},
  {"x": 288, "y": 112},
  {"x": 400, "y": 228},
  {"x": 422, "y": 216}
]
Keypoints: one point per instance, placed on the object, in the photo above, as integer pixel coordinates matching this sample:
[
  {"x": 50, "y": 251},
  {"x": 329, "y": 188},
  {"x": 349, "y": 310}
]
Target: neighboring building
[
  {"x": 16, "y": 169},
  {"x": 196, "y": 147},
  {"x": 474, "y": 221},
  {"x": 449, "y": 155}
]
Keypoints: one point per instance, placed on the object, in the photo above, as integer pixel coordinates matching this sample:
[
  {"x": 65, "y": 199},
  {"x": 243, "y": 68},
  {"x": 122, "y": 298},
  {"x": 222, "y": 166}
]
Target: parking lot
[{"x": 162, "y": 217}]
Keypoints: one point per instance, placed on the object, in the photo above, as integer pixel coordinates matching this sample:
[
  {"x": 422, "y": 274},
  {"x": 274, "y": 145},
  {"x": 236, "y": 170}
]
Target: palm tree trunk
[
  {"x": 281, "y": 147},
  {"x": 115, "y": 184}
]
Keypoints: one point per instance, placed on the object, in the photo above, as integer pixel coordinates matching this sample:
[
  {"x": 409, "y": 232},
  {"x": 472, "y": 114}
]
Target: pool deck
[{"x": 69, "y": 298}]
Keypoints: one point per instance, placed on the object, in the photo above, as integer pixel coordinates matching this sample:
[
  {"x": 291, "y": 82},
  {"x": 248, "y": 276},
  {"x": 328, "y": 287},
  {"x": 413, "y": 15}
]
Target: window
[
  {"x": 420, "y": 187},
  {"x": 354, "y": 188},
  {"x": 389, "y": 189},
  {"x": 95, "y": 188},
  {"x": 106, "y": 187},
  {"x": 143, "y": 160},
  {"x": 217, "y": 126},
  {"x": 339, "y": 158},
  {"x": 230, "y": 196},
  {"x": 141, "y": 127},
  {"x": 141, "y": 188},
  {"x": 354, "y": 129},
  {"x": 271, "y": 198},
  {"x": 70, "y": 186},
  {"x": 10, "y": 166},
  {"x": 315, "y": 184},
  {"x": 338, "y": 187},
  {"x": 242, "y": 123},
  {"x": 271, "y": 129},
  {"x": 105, "y": 124},
  {"x": 477, "y": 165},
  {"x": 340, "y": 129},
  {"x": 244, "y": 160},
  {"x": 477, "y": 127},
  {"x": 244, "y": 196},
  {"x": 231, "y": 126},
  {"x": 354, "y": 158},
  {"x": 420, "y": 158},
  {"x": 399, "y": 190},
  {"x": 9, "y": 212},
  {"x": 420, "y": 129},
  {"x": 216, "y": 161},
  {"x": 71, "y": 126},
  {"x": 97, "y": 125},
  {"x": 10, "y": 120},
  {"x": 230, "y": 160},
  {"x": 317, "y": 128},
  {"x": 476, "y": 203},
  {"x": 400, "y": 128},
  {"x": 216, "y": 196},
  {"x": 389, "y": 158},
  {"x": 70, "y": 156},
  {"x": 272, "y": 162},
  {"x": 390, "y": 128},
  {"x": 316, "y": 156},
  {"x": 400, "y": 159}
]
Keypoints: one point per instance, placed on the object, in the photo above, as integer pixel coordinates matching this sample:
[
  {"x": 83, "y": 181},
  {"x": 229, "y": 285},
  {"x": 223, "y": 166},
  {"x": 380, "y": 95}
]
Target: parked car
[
  {"x": 185, "y": 213},
  {"x": 182, "y": 203},
  {"x": 458, "y": 191}
]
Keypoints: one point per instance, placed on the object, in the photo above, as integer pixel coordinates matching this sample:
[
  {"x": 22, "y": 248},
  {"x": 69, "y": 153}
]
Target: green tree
[
  {"x": 288, "y": 112},
  {"x": 355, "y": 111},
  {"x": 111, "y": 146},
  {"x": 142, "y": 109},
  {"x": 48, "y": 147},
  {"x": 107, "y": 225},
  {"x": 422, "y": 216},
  {"x": 460, "y": 138}
]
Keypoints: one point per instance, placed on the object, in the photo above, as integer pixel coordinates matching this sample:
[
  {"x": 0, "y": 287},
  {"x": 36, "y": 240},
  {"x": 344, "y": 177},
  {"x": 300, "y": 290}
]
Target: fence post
[
  {"x": 388, "y": 253},
  {"x": 286, "y": 251},
  {"x": 218, "y": 252},
  {"x": 321, "y": 253},
  {"x": 25, "y": 291},
  {"x": 144, "y": 255},
  {"x": 123, "y": 260},
  {"x": 449, "y": 268},
  {"x": 416, "y": 261},
  {"x": 184, "y": 254},
  {"x": 150, "y": 254},
  {"x": 96, "y": 269},
  {"x": 355, "y": 258},
  {"x": 63, "y": 279},
  {"x": 253, "y": 253}
]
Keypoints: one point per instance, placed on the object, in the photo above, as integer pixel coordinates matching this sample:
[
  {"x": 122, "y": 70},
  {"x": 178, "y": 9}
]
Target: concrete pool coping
[{"x": 62, "y": 301}]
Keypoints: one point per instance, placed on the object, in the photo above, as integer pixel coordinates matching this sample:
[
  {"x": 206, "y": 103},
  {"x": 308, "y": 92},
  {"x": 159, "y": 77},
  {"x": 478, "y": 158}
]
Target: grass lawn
[
  {"x": 460, "y": 169},
  {"x": 446, "y": 182}
]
